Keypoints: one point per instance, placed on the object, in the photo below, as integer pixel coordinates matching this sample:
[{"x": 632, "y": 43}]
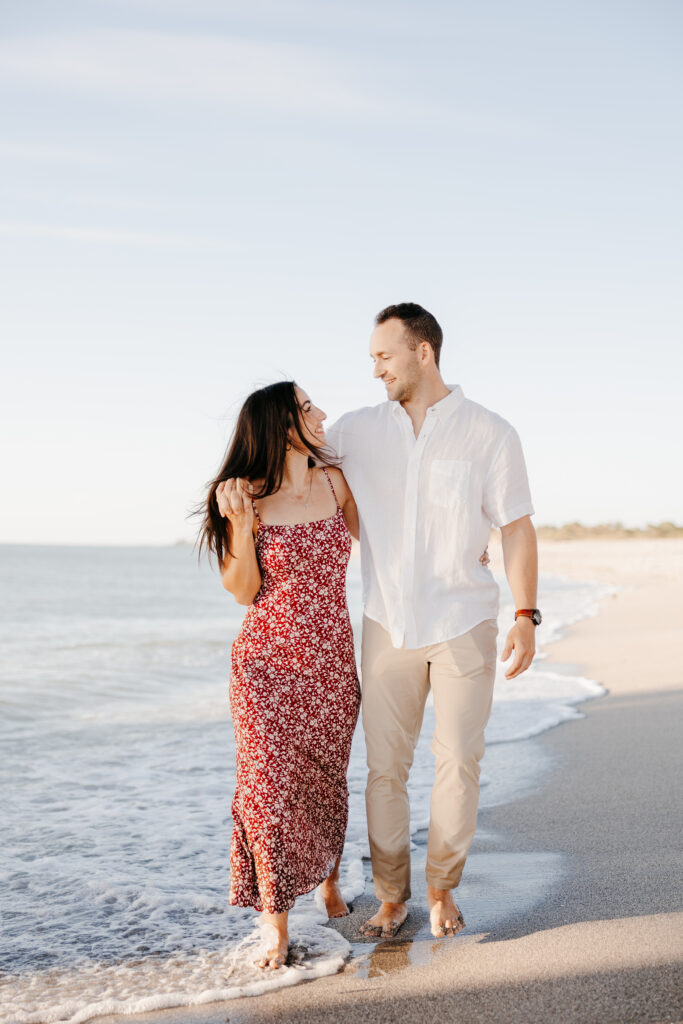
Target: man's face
[{"x": 396, "y": 365}]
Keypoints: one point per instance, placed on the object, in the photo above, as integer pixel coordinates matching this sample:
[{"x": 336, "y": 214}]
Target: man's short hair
[{"x": 420, "y": 325}]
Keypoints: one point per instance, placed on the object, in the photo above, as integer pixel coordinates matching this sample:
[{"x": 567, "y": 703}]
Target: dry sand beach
[{"x": 598, "y": 844}]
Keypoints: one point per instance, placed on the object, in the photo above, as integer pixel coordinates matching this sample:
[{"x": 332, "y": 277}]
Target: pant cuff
[
  {"x": 444, "y": 883},
  {"x": 389, "y": 897}
]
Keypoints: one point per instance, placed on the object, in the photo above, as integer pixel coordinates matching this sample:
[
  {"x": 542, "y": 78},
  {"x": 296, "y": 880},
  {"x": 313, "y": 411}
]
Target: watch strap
[{"x": 527, "y": 613}]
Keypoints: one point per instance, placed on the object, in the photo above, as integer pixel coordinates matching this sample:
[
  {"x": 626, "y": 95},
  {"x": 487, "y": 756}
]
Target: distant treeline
[{"x": 616, "y": 531}]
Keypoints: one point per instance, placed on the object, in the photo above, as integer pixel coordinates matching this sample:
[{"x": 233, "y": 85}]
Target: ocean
[{"x": 117, "y": 774}]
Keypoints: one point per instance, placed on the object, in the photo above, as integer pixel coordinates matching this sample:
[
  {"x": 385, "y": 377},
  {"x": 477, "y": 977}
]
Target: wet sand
[{"x": 572, "y": 895}]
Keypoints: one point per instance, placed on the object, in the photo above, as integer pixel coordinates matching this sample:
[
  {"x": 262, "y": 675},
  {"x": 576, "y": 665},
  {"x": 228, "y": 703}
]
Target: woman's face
[{"x": 310, "y": 420}]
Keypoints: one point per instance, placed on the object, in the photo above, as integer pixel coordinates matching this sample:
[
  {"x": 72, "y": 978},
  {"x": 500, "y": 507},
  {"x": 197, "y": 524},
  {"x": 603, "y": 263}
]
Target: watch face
[{"x": 537, "y": 617}]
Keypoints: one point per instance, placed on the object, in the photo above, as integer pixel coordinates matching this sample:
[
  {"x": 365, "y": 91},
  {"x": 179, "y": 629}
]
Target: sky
[{"x": 199, "y": 196}]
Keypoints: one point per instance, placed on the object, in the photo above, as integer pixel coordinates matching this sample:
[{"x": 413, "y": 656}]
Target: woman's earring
[{"x": 288, "y": 447}]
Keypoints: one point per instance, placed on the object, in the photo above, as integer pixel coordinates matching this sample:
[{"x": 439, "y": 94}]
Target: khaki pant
[{"x": 396, "y": 683}]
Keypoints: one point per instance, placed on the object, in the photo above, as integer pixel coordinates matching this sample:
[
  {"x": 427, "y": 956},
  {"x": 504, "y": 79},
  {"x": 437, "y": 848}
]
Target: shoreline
[{"x": 595, "y": 845}]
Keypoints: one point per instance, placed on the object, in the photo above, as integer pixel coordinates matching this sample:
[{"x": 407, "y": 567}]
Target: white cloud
[
  {"x": 37, "y": 152},
  {"x": 60, "y": 197},
  {"x": 156, "y": 65},
  {"x": 144, "y": 239},
  {"x": 246, "y": 73}
]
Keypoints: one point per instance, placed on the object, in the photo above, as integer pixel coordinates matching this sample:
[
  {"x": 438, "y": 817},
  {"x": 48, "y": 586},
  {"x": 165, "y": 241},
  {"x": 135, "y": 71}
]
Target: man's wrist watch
[{"x": 530, "y": 613}]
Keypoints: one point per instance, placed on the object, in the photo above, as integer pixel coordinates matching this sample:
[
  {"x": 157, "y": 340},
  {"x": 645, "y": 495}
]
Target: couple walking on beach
[{"x": 419, "y": 479}]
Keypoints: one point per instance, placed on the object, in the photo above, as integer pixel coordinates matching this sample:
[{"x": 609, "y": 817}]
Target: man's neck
[{"x": 428, "y": 394}]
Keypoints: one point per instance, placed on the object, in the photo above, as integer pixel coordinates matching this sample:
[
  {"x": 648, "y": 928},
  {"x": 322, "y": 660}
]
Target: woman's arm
[
  {"x": 240, "y": 570},
  {"x": 347, "y": 502}
]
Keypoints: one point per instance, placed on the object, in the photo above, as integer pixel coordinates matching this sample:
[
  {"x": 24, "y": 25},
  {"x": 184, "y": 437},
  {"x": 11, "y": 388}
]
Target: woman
[{"x": 279, "y": 518}]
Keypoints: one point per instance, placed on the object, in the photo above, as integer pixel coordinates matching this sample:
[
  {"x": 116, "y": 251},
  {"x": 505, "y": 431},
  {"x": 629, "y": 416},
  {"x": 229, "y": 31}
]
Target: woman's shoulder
[
  {"x": 338, "y": 480},
  {"x": 334, "y": 472}
]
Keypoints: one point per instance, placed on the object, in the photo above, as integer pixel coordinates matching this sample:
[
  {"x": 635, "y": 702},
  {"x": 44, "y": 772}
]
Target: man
[{"x": 431, "y": 471}]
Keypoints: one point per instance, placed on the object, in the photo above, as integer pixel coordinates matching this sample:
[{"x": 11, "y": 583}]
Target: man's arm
[{"x": 520, "y": 557}]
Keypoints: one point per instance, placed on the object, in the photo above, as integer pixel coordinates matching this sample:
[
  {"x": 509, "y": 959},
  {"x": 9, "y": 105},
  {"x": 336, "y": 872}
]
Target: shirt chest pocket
[{"x": 449, "y": 482}]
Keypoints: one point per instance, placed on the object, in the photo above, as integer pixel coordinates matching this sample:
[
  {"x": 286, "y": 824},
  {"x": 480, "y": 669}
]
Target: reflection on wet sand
[
  {"x": 386, "y": 958},
  {"x": 498, "y": 885}
]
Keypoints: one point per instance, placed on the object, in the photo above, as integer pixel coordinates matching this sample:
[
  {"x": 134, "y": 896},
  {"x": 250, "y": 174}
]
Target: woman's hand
[
  {"x": 240, "y": 569},
  {"x": 485, "y": 557},
  {"x": 233, "y": 497}
]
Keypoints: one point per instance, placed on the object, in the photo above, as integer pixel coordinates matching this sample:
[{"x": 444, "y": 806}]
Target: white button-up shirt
[{"x": 426, "y": 506}]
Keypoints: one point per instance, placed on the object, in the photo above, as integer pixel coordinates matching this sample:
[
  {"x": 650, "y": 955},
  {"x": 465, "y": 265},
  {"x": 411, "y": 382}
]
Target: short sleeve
[
  {"x": 506, "y": 490},
  {"x": 334, "y": 437}
]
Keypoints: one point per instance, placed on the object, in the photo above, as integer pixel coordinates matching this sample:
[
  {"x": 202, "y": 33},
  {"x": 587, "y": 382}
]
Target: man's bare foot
[
  {"x": 444, "y": 916},
  {"x": 334, "y": 901},
  {"x": 277, "y": 932},
  {"x": 386, "y": 922}
]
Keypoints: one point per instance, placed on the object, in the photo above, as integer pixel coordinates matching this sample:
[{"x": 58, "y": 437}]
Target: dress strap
[
  {"x": 336, "y": 499},
  {"x": 253, "y": 505}
]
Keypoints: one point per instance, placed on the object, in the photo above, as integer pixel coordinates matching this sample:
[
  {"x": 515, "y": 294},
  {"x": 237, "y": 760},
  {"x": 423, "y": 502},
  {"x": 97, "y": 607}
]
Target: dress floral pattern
[{"x": 294, "y": 699}]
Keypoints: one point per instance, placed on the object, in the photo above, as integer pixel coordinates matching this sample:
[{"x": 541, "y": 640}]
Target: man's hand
[
  {"x": 520, "y": 557},
  {"x": 522, "y": 640}
]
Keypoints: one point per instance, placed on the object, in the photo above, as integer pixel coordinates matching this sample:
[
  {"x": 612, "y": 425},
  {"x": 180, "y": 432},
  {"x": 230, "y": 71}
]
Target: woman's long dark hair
[{"x": 256, "y": 451}]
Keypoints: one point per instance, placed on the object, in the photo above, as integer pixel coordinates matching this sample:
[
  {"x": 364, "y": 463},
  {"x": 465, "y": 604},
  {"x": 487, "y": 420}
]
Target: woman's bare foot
[
  {"x": 444, "y": 916},
  {"x": 334, "y": 901},
  {"x": 386, "y": 922},
  {"x": 331, "y": 893},
  {"x": 276, "y": 956}
]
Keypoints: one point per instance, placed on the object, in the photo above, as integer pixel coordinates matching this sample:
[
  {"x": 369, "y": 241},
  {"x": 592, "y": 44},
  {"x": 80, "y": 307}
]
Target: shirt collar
[{"x": 442, "y": 409}]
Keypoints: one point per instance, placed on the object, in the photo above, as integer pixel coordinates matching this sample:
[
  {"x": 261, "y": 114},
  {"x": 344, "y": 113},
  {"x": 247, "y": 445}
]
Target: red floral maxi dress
[{"x": 294, "y": 699}]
